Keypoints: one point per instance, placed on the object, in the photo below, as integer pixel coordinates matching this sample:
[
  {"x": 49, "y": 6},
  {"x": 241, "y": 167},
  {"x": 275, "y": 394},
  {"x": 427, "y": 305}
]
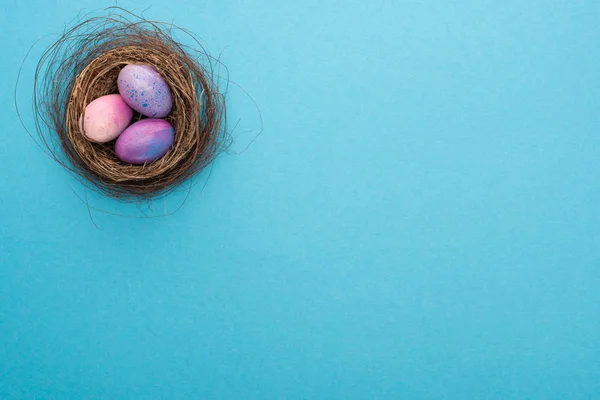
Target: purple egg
[
  {"x": 145, "y": 141},
  {"x": 144, "y": 90}
]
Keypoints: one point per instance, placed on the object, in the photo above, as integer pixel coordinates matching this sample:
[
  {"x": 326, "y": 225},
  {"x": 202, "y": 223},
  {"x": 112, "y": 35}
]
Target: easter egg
[
  {"x": 145, "y": 90},
  {"x": 145, "y": 141},
  {"x": 105, "y": 118}
]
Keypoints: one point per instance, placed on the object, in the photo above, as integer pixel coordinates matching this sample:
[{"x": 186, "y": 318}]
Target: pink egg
[
  {"x": 105, "y": 118},
  {"x": 145, "y": 141},
  {"x": 144, "y": 90}
]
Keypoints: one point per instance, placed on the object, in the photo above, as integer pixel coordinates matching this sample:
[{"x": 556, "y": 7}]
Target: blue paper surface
[{"x": 420, "y": 218}]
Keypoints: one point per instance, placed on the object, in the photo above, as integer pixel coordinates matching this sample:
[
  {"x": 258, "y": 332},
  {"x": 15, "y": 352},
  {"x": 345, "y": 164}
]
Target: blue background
[{"x": 419, "y": 219}]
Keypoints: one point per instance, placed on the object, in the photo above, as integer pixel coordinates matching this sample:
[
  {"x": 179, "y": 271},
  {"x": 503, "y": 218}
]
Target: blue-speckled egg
[
  {"x": 145, "y": 141},
  {"x": 144, "y": 90}
]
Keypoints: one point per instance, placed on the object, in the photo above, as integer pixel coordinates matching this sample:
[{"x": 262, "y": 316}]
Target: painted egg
[
  {"x": 145, "y": 141},
  {"x": 105, "y": 118},
  {"x": 145, "y": 90}
]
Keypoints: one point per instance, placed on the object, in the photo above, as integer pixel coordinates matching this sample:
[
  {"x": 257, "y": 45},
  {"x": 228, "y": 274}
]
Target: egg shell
[
  {"x": 145, "y": 90},
  {"x": 145, "y": 141},
  {"x": 105, "y": 118}
]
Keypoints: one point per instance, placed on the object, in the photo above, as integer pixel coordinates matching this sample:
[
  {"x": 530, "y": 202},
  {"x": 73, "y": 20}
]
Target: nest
[{"x": 84, "y": 64}]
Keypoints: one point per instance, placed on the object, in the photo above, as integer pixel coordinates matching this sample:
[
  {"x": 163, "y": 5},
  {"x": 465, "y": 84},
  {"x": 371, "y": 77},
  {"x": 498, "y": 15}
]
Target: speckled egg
[
  {"x": 144, "y": 90},
  {"x": 105, "y": 118},
  {"x": 145, "y": 141}
]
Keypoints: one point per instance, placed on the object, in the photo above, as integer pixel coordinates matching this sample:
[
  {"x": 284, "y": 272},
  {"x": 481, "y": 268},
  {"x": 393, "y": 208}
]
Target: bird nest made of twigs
[{"x": 84, "y": 64}]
